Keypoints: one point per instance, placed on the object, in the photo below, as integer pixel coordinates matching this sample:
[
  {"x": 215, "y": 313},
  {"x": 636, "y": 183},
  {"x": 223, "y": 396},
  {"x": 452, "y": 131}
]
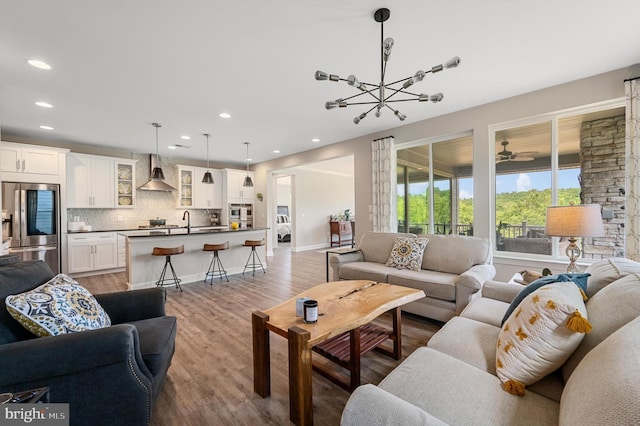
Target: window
[
  {"x": 559, "y": 160},
  {"x": 435, "y": 181}
]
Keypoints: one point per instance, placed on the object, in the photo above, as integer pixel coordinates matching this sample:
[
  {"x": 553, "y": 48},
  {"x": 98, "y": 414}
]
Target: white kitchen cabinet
[
  {"x": 21, "y": 158},
  {"x": 125, "y": 183},
  {"x": 195, "y": 194},
  {"x": 207, "y": 196},
  {"x": 92, "y": 251},
  {"x": 185, "y": 186},
  {"x": 90, "y": 181},
  {"x": 236, "y": 193}
]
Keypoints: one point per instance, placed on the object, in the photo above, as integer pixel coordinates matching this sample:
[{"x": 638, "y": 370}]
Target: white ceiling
[{"x": 120, "y": 65}]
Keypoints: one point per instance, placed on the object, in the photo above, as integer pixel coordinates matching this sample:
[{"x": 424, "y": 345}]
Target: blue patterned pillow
[
  {"x": 58, "y": 306},
  {"x": 407, "y": 253},
  {"x": 578, "y": 279}
]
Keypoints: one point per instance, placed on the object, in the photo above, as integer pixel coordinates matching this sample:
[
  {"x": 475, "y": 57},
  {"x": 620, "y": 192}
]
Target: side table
[
  {"x": 335, "y": 251},
  {"x": 30, "y": 396}
]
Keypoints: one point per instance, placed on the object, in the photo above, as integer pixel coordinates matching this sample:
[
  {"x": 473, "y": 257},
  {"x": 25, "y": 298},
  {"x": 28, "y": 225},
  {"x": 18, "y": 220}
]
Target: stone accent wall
[{"x": 602, "y": 160}]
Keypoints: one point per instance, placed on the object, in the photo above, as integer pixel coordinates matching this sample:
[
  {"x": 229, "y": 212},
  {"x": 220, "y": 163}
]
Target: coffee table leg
[
  {"x": 261, "y": 355},
  {"x": 396, "y": 316},
  {"x": 354, "y": 354},
  {"x": 300, "y": 385}
]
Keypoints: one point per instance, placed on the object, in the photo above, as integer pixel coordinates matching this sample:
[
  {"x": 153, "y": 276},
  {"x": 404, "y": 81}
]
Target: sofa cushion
[
  {"x": 157, "y": 338},
  {"x": 606, "y": 271},
  {"x": 365, "y": 271},
  {"x": 407, "y": 253},
  {"x": 604, "y": 388},
  {"x": 609, "y": 309},
  {"x": 578, "y": 279},
  {"x": 465, "y": 394},
  {"x": 455, "y": 253},
  {"x": 540, "y": 335},
  {"x": 59, "y": 306},
  {"x": 470, "y": 341},
  {"x": 438, "y": 285},
  {"x": 376, "y": 246},
  {"x": 474, "y": 343},
  {"x": 487, "y": 310}
]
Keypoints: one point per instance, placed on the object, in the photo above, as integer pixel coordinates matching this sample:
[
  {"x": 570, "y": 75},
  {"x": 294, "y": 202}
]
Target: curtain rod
[
  {"x": 379, "y": 139},
  {"x": 631, "y": 79}
]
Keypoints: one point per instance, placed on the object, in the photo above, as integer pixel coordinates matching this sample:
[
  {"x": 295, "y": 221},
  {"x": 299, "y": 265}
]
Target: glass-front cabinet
[
  {"x": 185, "y": 185},
  {"x": 125, "y": 181}
]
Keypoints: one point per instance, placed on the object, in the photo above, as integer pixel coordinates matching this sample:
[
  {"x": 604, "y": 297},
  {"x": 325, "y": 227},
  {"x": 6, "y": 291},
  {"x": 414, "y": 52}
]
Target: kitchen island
[{"x": 143, "y": 269}]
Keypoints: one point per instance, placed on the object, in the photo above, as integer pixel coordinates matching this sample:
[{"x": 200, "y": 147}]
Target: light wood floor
[{"x": 210, "y": 381}]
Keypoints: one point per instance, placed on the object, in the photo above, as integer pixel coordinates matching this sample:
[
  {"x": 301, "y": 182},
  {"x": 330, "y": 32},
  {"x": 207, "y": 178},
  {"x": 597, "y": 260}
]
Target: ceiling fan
[{"x": 506, "y": 155}]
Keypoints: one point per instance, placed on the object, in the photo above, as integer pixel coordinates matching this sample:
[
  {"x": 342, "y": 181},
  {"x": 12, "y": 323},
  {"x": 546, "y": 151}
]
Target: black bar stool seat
[
  {"x": 215, "y": 267},
  {"x": 253, "y": 262},
  {"x": 168, "y": 252}
]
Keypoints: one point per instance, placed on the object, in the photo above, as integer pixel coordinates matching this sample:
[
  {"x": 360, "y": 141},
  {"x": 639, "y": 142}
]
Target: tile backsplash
[{"x": 149, "y": 204}]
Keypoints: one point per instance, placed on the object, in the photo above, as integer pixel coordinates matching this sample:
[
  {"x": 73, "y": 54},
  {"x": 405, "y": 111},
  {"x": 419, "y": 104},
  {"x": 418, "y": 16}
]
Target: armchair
[{"x": 106, "y": 375}]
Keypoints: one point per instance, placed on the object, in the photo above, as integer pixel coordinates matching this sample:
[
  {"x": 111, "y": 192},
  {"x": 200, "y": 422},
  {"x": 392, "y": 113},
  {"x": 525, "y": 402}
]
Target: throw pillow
[
  {"x": 540, "y": 335},
  {"x": 58, "y": 306},
  {"x": 407, "y": 253},
  {"x": 578, "y": 279}
]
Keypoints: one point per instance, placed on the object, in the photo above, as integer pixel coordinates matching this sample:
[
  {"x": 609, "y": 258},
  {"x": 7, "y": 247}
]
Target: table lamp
[{"x": 582, "y": 220}]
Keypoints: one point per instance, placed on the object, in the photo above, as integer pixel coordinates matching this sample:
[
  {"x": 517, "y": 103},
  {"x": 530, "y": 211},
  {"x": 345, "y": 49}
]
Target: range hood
[{"x": 156, "y": 180}]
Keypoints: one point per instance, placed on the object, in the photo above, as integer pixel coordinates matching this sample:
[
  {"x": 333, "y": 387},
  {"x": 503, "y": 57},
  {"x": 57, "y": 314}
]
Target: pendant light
[
  {"x": 156, "y": 179},
  {"x": 207, "y": 178},
  {"x": 247, "y": 179}
]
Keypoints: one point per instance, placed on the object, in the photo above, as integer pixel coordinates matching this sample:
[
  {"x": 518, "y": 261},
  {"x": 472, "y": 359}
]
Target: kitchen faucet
[{"x": 188, "y": 216}]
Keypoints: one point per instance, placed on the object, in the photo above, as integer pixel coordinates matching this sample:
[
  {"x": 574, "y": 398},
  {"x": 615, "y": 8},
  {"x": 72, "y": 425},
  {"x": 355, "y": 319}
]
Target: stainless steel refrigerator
[{"x": 31, "y": 221}]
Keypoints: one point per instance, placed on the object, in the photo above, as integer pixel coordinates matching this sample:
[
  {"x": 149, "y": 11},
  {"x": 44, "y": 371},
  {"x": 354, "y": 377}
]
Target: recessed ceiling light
[
  {"x": 44, "y": 104},
  {"x": 39, "y": 64},
  {"x": 276, "y": 151},
  {"x": 315, "y": 140},
  {"x": 172, "y": 147},
  {"x": 225, "y": 115},
  {"x": 185, "y": 137},
  {"x": 46, "y": 127}
]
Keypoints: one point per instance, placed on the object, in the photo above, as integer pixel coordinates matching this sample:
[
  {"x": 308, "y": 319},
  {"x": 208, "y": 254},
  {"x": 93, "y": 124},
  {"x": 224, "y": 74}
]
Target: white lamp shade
[{"x": 582, "y": 220}]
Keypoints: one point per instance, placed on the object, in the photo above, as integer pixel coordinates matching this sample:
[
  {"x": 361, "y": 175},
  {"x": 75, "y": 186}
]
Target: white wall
[{"x": 316, "y": 196}]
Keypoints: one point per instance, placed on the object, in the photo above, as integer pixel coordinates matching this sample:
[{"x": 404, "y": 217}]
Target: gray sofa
[
  {"x": 108, "y": 376},
  {"x": 454, "y": 268},
  {"x": 453, "y": 379}
]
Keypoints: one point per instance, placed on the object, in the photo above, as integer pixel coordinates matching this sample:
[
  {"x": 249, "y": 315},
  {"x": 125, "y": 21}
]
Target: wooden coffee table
[{"x": 344, "y": 307}]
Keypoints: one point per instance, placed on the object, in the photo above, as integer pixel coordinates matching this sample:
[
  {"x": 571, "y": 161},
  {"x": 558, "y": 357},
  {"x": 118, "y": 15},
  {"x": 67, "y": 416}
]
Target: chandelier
[{"x": 382, "y": 93}]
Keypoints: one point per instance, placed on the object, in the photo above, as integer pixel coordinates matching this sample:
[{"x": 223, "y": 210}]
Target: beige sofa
[
  {"x": 453, "y": 270},
  {"x": 453, "y": 379}
]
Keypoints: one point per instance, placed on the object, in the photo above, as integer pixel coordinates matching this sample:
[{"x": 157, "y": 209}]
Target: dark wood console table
[{"x": 343, "y": 230}]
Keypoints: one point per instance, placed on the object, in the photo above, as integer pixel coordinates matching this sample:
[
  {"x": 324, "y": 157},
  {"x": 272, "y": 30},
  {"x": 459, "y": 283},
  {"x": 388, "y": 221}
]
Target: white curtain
[
  {"x": 632, "y": 167},
  {"x": 383, "y": 156}
]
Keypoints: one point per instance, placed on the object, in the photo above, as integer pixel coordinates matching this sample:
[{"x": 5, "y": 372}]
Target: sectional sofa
[
  {"x": 453, "y": 379},
  {"x": 452, "y": 271}
]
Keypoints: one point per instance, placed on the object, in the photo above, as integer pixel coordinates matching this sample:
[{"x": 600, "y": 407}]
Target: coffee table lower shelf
[{"x": 339, "y": 350}]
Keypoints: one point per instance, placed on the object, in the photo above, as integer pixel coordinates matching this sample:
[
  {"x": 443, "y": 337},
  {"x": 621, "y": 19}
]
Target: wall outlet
[{"x": 119, "y": 218}]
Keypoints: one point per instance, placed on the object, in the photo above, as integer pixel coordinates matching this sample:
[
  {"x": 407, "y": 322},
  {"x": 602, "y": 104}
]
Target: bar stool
[
  {"x": 215, "y": 267},
  {"x": 253, "y": 256},
  {"x": 168, "y": 252}
]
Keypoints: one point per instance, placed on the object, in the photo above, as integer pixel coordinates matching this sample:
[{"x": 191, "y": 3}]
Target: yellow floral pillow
[{"x": 540, "y": 335}]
